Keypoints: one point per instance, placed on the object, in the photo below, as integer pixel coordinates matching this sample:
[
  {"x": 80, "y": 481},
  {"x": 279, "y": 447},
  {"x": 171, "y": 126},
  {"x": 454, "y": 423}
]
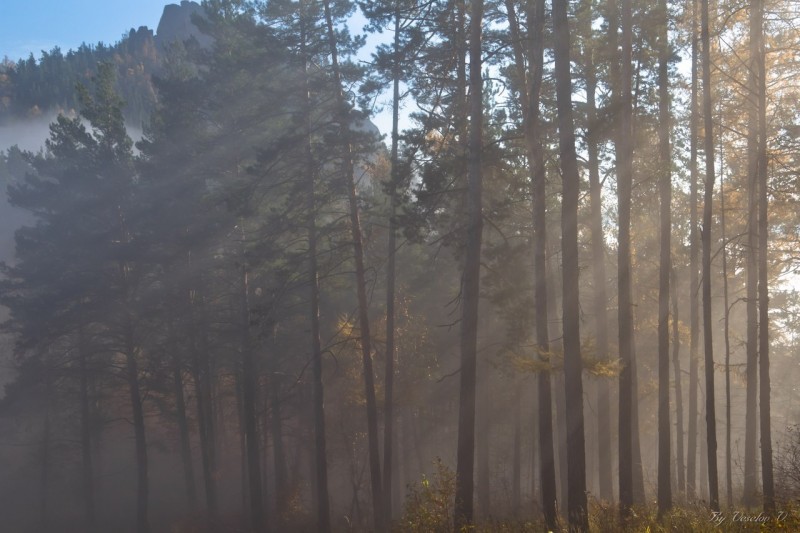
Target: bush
[
  {"x": 787, "y": 466},
  {"x": 429, "y": 505}
]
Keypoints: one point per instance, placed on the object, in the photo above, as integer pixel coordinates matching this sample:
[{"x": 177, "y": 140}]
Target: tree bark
[
  {"x": 142, "y": 491},
  {"x": 598, "y": 268},
  {"x": 249, "y": 402},
  {"x": 676, "y": 364},
  {"x": 183, "y": 429},
  {"x": 624, "y": 158},
  {"x": 483, "y": 440},
  {"x": 86, "y": 437},
  {"x": 516, "y": 465},
  {"x": 751, "y": 268},
  {"x": 201, "y": 374},
  {"x": 573, "y": 366},
  {"x": 278, "y": 450},
  {"x": 665, "y": 265},
  {"x": 320, "y": 445},
  {"x": 244, "y": 485},
  {"x": 470, "y": 287},
  {"x": 711, "y": 421},
  {"x": 726, "y": 333},
  {"x": 694, "y": 283},
  {"x": 767, "y": 479},
  {"x": 44, "y": 480},
  {"x": 531, "y": 80},
  {"x": 560, "y": 425},
  {"x": 639, "y": 496},
  {"x": 388, "y": 402}
]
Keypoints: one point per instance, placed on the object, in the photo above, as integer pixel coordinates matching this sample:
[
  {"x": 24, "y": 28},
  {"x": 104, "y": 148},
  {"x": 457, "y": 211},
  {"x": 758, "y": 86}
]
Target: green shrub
[{"x": 429, "y": 505}]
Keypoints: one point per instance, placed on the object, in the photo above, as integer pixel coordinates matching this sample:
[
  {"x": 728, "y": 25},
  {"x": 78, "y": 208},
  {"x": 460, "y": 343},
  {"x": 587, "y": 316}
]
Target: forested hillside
[
  {"x": 35, "y": 86},
  {"x": 560, "y": 294}
]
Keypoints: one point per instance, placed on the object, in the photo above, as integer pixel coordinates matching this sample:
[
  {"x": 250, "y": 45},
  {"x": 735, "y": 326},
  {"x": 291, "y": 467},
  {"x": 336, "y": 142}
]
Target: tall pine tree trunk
[
  {"x": 482, "y": 439},
  {"x": 624, "y": 158},
  {"x": 767, "y": 480},
  {"x": 598, "y": 270},
  {"x": 708, "y": 120},
  {"x": 142, "y": 481},
  {"x": 388, "y": 402},
  {"x": 249, "y": 402},
  {"x": 276, "y": 429},
  {"x": 361, "y": 284},
  {"x": 665, "y": 264},
  {"x": 676, "y": 365},
  {"x": 531, "y": 80},
  {"x": 573, "y": 367},
  {"x": 320, "y": 445},
  {"x": 726, "y": 333},
  {"x": 694, "y": 283},
  {"x": 560, "y": 421},
  {"x": 201, "y": 374},
  {"x": 751, "y": 268},
  {"x": 44, "y": 479},
  {"x": 183, "y": 428},
  {"x": 86, "y": 437},
  {"x": 242, "y": 434},
  {"x": 470, "y": 287},
  {"x": 516, "y": 454},
  {"x": 530, "y": 104},
  {"x": 639, "y": 496}
]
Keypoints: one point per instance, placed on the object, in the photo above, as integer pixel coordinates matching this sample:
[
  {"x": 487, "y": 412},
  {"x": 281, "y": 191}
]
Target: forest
[{"x": 560, "y": 293}]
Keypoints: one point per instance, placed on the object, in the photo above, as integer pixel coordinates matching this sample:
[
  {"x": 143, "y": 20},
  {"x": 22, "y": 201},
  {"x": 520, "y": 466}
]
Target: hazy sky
[{"x": 33, "y": 25}]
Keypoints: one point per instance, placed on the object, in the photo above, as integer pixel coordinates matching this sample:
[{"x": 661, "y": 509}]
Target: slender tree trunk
[
  {"x": 201, "y": 374},
  {"x": 751, "y": 268},
  {"x": 694, "y": 284},
  {"x": 726, "y": 333},
  {"x": 249, "y": 402},
  {"x": 320, "y": 445},
  {"x": 676, "y": 365},
  {"x": 702, "y": 464},
  {"x": 483, "y": 439},
  {"x": 361, "y": 283},
  {"x": 142, "y": 525},
  {"x": 183, "y": 431},
  {"x": 544, "y": 388},
  {"x": 86, "y": 438},
  {"x": 388, "y": 402},
  {"x": 767, "y": 480},
  {"x": 573, "y": 384},
  {"x": 665, "y": 265},
  {"x": 711, "y": 421},
  {"x": 560, "y": 427},
  {"x": 242, "y": 434},
  {"x": 470, "y": 287},
  {"x": 516, "y": 464},
  {"x": 531, "y": 80},
  {"x": 639, "y": 496},
  {"x": 536, "y": 21},
  {"x": 598, "y": 271},
  {"x": 44, "y": 480},
  {"x": 535, "y": 482},
  {"x": 624, "y": 159},
  {"x": 278, "y": 451}
]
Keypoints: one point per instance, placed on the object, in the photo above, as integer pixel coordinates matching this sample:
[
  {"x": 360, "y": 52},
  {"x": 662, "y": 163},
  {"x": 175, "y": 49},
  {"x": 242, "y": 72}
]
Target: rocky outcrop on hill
[{"x": 177, "y": 24}]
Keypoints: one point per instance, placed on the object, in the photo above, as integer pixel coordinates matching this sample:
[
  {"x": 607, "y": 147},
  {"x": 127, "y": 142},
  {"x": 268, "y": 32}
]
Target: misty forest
[{"x": 453, "y": 265}]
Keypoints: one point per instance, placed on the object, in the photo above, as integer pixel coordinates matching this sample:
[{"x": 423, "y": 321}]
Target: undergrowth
[{"x": 429, "y": 509}]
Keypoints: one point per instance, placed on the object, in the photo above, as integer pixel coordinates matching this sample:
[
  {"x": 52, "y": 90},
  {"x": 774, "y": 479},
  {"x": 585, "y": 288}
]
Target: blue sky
[{"x": 33, "y": 25}]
